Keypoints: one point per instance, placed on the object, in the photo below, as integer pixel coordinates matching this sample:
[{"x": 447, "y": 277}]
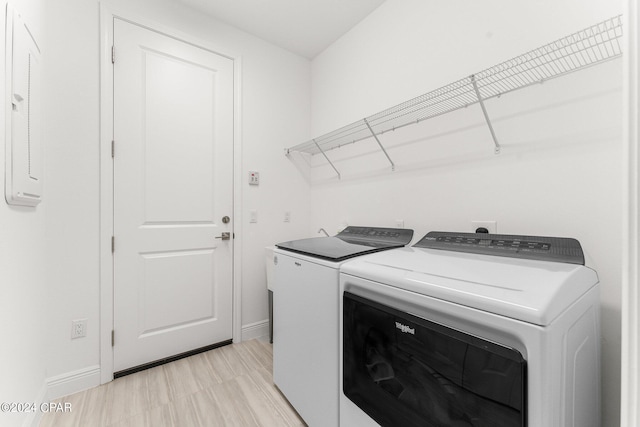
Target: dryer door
[{"x": 403, "y": 370}]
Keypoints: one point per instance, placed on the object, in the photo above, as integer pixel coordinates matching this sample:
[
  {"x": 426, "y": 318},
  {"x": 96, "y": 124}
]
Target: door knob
[{"x": 224, "y": 236}]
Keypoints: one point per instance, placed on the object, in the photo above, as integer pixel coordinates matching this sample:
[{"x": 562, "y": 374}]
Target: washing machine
[
  {"x": 471, "y": 330},
  {"x": 306, "y": 316}
]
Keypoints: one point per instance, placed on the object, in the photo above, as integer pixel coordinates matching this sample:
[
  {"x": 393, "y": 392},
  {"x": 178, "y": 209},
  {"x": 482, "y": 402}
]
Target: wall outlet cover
[{"x": 78, "y": 328}]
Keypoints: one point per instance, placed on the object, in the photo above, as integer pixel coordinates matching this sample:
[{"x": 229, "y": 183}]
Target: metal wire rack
[{"x": 594, "y": 45}]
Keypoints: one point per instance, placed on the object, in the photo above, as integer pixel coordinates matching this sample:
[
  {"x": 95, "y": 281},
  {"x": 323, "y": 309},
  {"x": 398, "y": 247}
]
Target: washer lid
[
  {"x": 350, "y": 242},
  {"x": 528, "y": 290}
]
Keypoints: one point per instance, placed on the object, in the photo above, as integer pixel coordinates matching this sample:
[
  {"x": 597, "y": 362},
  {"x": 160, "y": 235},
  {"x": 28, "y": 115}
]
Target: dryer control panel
[{"x": 557, "y": 249}]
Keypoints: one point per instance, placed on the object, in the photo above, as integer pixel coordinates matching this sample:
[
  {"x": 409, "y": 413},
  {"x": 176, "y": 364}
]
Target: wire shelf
[{"x": 596, "y": 44}]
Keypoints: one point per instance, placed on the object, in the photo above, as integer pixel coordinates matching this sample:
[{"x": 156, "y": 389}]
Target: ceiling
[{"x": 305, "y": 27}]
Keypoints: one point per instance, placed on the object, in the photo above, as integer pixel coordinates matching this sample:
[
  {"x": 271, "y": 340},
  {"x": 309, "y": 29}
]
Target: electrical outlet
[
  {"x": 287, "y": 216},
  {"x": 399, "y": 223},
  {"x": 491, "y": 226},
  {"x": 253, "y": 216},
  {"x": 78, "y": 328}
]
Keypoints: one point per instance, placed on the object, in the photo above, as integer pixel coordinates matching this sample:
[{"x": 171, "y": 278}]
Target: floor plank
[{"x": 226, "y": 386}]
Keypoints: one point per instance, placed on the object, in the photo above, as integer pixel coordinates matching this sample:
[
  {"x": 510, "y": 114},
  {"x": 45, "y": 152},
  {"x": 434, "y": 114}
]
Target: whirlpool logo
[{"x": 405, "y": 329}]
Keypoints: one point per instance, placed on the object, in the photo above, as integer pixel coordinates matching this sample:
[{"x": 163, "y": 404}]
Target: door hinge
[
  {"x": 113, "y": 149},
  {"x": 113, "y": 338},
  {"x": 113, "y": 54},
  {"x": 113, "y": 244}
]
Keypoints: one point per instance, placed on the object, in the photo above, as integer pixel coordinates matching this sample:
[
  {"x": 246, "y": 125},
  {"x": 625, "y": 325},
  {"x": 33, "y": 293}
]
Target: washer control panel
[
  {"x": 401, "y": 236},
  {"x": 558, "y": 249}
]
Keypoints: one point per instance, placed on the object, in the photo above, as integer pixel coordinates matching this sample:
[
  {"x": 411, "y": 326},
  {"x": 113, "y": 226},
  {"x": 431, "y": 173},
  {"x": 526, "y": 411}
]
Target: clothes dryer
[{"x": 471, "y": 330}]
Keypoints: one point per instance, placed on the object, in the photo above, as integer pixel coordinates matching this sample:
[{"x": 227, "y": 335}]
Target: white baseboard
[
  {"x": 73, "y": 382},
  {"x": 83, "y": 379},
  {"x": 255, "y": 330}
]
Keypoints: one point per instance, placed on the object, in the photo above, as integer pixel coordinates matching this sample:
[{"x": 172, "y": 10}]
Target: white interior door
[{"x": 173, "y": 170}]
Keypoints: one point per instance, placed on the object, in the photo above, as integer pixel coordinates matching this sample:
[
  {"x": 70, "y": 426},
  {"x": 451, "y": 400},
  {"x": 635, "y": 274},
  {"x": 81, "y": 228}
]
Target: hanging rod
[{"x": 593, "y": 45}]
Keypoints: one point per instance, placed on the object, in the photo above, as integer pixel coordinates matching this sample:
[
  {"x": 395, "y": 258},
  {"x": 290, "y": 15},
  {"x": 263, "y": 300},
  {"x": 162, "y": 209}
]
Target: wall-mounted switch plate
[
  {"x": 254, "y": 178},
  {"x": 253, "y": 216},
  {"x": 287, "y": 216}
]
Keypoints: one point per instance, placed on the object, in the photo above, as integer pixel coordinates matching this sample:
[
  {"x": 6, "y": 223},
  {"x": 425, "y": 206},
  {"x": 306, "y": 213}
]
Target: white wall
[
  {"x": 275, "y": 110},
  {"x": 72, "y": 170},
  {"x": 560, "y": 168},
  {"x": 22, "y": 272}
]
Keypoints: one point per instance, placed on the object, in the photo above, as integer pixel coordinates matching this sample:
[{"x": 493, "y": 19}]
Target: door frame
[{"x": 107, "y": 16}]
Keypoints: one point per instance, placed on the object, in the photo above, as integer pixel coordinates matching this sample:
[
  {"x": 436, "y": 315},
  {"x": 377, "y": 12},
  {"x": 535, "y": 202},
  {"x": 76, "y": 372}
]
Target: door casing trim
[{"x": 107, "y": 16}]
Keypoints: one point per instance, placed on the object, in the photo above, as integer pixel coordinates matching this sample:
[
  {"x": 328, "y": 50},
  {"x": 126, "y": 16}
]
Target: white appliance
[
  {"x": 305, "y": 315},
  {"x": 471, "y": 330}
]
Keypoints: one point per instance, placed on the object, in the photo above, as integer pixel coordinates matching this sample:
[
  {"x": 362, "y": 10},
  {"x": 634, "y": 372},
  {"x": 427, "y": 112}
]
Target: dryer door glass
[{"x": 403, "y": 370}]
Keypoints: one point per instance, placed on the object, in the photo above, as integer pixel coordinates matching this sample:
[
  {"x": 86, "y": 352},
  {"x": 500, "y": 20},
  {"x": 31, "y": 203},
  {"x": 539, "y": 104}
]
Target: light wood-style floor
[{"x": 228, "y": 386}]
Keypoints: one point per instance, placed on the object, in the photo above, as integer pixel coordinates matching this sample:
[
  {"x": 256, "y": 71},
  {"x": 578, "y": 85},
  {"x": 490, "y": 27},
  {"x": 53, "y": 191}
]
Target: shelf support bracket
[
  {"x": 325, "y": 156},
  {"x": 393, "y": 166},
  {"x": 486, "y": 116}
]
